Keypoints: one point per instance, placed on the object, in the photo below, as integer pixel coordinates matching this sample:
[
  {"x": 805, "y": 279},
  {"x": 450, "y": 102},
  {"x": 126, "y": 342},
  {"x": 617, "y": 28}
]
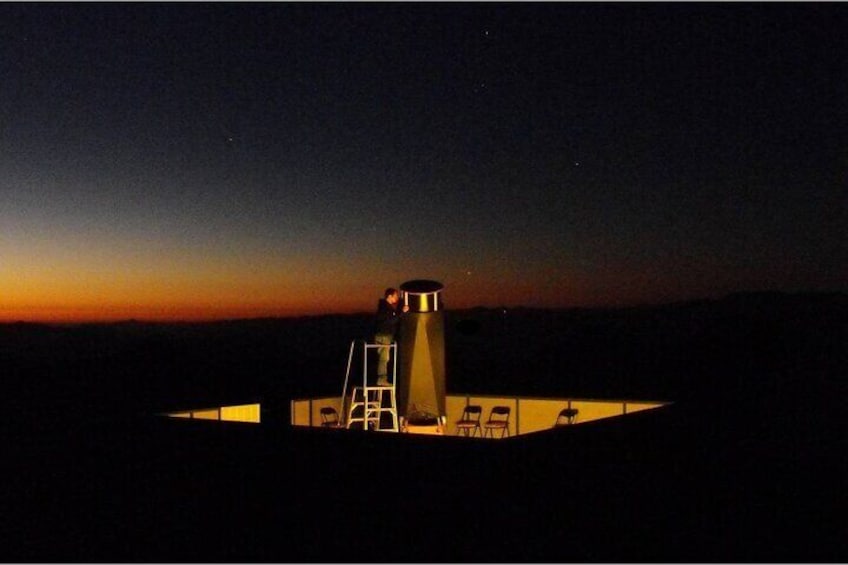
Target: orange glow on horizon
[
  {"x": 186, "y": 289},
  {"x": 81, "y": 314},
  {"x": 164, "y": 312},
  {"x": 211, "y": 306},
  {"x": 80, "y": 308}
]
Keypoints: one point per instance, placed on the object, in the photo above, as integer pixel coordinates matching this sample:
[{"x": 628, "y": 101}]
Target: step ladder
[{"x": 368, "y": 403}]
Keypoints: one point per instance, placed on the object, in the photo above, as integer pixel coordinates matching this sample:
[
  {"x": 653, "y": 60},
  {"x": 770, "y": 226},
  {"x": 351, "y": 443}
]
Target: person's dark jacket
[{"x": 387, "y": 318}]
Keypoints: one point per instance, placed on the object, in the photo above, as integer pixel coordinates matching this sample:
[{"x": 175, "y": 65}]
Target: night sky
[{"x": 203, "y": 161}]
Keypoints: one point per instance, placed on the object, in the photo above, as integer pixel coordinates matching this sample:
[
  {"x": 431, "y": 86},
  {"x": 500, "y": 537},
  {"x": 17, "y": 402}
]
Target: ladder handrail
[
  {"x": 343, "y": 415},
  {"x": 366, "y": 402}
]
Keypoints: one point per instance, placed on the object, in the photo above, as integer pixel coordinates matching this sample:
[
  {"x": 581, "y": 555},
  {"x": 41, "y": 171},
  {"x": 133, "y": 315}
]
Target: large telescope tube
[{"x": 421, "y": 345}]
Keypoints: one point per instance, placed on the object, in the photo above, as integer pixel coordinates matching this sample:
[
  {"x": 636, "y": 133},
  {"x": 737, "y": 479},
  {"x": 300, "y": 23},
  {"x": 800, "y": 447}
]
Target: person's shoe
[{"x": 383, "y": 381}]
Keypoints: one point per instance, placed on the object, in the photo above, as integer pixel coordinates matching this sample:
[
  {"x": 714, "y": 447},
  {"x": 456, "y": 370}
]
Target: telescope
[{"x": 421, "y": 387}]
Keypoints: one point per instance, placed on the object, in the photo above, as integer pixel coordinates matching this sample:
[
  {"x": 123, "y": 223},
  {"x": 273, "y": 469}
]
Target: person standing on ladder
[{"x": 387, "y": 320}]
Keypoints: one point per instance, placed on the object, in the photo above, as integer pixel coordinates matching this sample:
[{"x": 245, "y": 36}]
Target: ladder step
[{"x": 372, "y": 410}]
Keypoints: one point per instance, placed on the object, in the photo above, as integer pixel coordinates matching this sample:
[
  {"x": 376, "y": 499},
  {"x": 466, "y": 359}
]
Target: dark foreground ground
[{"x": 748, "y": 464}]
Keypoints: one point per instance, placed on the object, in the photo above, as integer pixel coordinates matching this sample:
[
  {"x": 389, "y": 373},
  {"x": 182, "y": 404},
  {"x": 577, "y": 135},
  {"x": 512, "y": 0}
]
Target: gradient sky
[{"x": 202, "y": 161}]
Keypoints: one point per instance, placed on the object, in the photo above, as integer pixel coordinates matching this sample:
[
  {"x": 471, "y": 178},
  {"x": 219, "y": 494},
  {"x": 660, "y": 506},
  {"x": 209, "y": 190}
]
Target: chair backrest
[
  {"x": 472, "y": 413},
  {"x": 329, "y": 416},
  {"x": 499, "y": 414},
  {"x": 566, "y": 417}
]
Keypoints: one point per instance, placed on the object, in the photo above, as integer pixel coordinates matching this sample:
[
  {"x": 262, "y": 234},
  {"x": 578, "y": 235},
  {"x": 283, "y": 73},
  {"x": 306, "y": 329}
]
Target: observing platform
[{"x": 525, "y": 415}]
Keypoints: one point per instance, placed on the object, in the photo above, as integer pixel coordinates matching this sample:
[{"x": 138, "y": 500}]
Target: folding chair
[
  {"x": 566, "y": 417},
  {"x": 498, "y": 420},
  {"x": 330, "y": 418},
  {"x": 470, "y": 422}
]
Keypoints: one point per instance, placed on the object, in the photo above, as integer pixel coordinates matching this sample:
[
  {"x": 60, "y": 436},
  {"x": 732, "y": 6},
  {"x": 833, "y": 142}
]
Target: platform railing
[{"x": 528, "y": 414}]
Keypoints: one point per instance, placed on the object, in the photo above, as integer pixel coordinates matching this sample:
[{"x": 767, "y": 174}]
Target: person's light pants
[{"x": 383, "y": 352}]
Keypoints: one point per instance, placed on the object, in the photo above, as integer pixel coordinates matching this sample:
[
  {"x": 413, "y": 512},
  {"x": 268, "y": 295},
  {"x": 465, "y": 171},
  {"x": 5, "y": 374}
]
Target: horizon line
[{"x": 71, "y": 321}]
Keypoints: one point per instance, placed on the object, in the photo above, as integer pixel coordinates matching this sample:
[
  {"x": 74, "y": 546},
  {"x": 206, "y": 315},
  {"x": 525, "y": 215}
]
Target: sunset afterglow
[{"x": 165, "y": 162}]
